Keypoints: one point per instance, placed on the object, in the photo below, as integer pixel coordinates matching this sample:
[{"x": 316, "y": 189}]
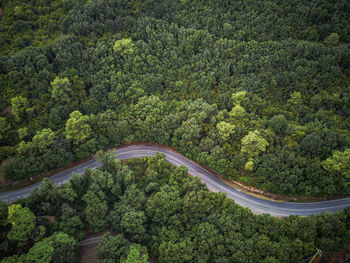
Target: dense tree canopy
[
  {"x": 256, "y": 90},
  {"x": 79, "y": 76},
  {"x": 154, "y": 209}
]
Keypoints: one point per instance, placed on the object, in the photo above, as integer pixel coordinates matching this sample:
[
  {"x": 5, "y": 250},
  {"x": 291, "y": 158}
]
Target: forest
[
  {"x": 258, "y": 91},
  {"x": 156, "y": 211}
]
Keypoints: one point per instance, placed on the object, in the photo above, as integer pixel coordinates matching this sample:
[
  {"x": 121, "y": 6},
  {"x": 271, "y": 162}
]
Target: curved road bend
[{"x": 257, "y": 205}]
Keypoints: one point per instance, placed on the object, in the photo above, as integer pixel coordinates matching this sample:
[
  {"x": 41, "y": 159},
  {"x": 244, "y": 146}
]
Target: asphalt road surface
[{"x": 256, "y": 204}]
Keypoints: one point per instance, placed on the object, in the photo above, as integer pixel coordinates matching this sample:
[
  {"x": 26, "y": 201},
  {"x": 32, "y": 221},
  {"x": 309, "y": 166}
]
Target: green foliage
[
  {"x": 61, "y": 90},
  {"x": 311, "y": 144},
  {"x": 173, "y": 73},
  {"x": 225, "y": 129},
  {"x": 59, "y": 247},
  {"x": 279, "y": 124},
  {"x": 178, "y": 220},
  {"x": 96, "y": 209},
  {"x": 15, "y": 259},
  {"x": 23, "y": 223},
  {"x": 44, "y": 139},
  {"x": 41, "y": 252},
  {"x": 238, "y": 97},
  {"x": 332, "y": 40},
  {"x": 65, "y": 248},
  {"x": 254, "y": 143},
  {"x": 124, "y": 46},
  {"x": 339, "y": 162},
  {"x": 78, "y": 128},
  {"x": 133, "y": 223},
  {"x": 295, "y": 98},
  {"x": 70, "y": 222},
  {"x": 112, "y": 248},
  {"x": 136, "y": 254},
  {"x": 19, "y": 107}
]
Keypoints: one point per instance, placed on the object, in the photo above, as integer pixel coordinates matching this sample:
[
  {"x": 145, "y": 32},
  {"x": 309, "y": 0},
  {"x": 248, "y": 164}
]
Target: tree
[
  {"x": 15, "y": 259},
  {"x": 278, "y": 123},
  {"x": 70, "y": 222},
  {"x": 237, "y": 114},
  {"x": 124, "y": 46},
  {"x": 41, "y": 252},
  {"x": 23, "y": 223},
  {"x": 96, "y": 209},
  {"x": 253, "y": 144},
  {"x": 176, "y": 252},
  {"x": 162, "y": 205},
  {"x": 65, "y": 248},
  {"x": 311, "y": 144},
  {"x": 44, "y": 139},
  {"x": 19, "y": 107},
  {"x": 339, "y": 162},
  {"x": 112, "y": 248},
  {"x": 225, "y": 129},
  {"x": 48, "y": 194},
  {"x": 136, "y": 254},
  {"x": 58, "y": 248},
  {"x": 295, "y": 98},
  {"x": 332, "y": 40},
  {"x": 61, "y": 90},
  {"x": 78, "y": 128},
  {"x": 239, "y": 97},
  {"x": 133, "y": 223}
]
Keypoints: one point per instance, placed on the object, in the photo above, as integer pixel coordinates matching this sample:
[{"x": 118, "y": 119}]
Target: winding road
[{"x": 256, "y": 204}]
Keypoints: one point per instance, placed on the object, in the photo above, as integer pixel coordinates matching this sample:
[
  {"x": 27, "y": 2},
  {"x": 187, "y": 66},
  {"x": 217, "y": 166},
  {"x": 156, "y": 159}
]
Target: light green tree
[
  {"x": 22, "y": 133},
  {"x": 237, "y": 113},
  {"x": 124, "y": 46},
  {"x": 136, "y": 254},
  {"x": 23, "y": 223},
  {"x": 253, "y": 144},
  {"x": 225, "y": 129},
  {"x": 61, "y": 89},
  {"x": 295, "y": 98},
  {"x": 339, "y": 162},
  {"x": 78, "y": 128},
  {"x": 44, "y": 139},
  {"x": 249, "y": 166},
  {"x": 19, "y": 107},
  {"x": 239, "y": 97}
]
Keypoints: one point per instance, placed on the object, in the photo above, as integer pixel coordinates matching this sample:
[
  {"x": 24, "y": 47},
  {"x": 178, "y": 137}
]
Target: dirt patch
[
  {"x": 87, "y": 247},
  {"x": 2, "y": 178},
  {"x": 342, "y": 256},
  {"x": 8, "y": 109},
  {"x": 87, "y": 254},
  {"x": 51, "y": 219}
]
